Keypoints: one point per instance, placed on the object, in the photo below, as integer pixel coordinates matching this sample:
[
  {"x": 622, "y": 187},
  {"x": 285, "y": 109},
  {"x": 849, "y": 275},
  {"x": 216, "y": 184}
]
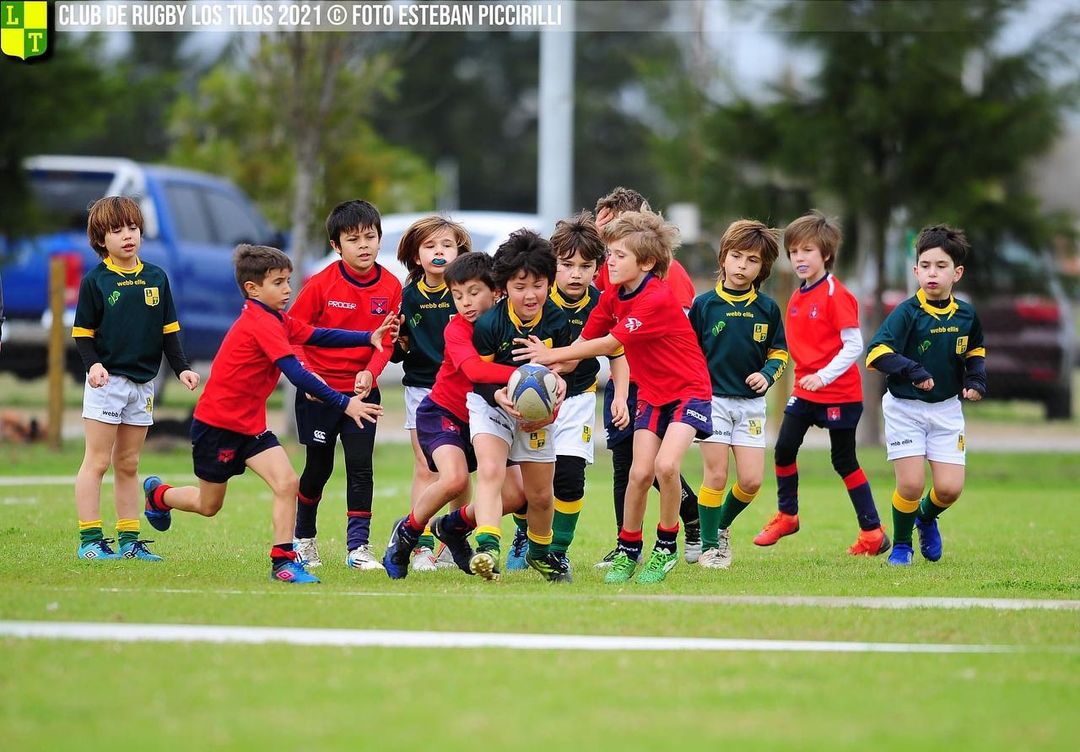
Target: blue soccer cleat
[
  {"x": 515, "y": 558},
  {"x": 457, "y": 543},
  {"x": 292, "y": 572},
  {"x": 98, "y": 550},
  {"x": 929, "y": 539},
  {"x": 137, "y": 550},
  {"x": 159, "y": 520},
  {"x": 901, "y": 555},
  {"x": 398, "y": 549}
]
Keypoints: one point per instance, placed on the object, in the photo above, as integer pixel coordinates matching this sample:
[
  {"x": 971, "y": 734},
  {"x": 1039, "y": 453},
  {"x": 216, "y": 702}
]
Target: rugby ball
[{"x": 532, "y": 390}]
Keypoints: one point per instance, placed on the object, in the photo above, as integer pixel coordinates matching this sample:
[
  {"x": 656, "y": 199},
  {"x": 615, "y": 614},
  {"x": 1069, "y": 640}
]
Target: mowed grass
[{"x": 1012, "y": 535}]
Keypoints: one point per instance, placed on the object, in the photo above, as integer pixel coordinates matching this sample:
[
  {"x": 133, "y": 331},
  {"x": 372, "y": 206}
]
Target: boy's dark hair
[
  {"x": 111, "y": 213},
  {"x": 578, "y": 234},
  {"x": 815, "y": 227},
  {"x": 524, "y": 252},
  {"x": 751, "y": 235},
  {"x": 647, "y": 236},
  {"x": 421, "y": 230},
  {"x": 949, "y": 239},
  {"x": 623, "y": 200},
  {"x": 352, "y": 215},
  {"x": 254, "y": 262},
  {"x": 469, "y": 266}
]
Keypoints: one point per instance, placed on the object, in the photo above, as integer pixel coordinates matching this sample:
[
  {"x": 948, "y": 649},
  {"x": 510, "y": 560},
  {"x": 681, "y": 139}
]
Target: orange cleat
[
  {"x": 779, "y": 526},
  {"x": 870, "y": 543}
]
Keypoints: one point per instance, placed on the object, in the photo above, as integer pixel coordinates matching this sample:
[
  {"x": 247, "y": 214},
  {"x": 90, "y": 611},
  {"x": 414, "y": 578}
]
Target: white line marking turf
[
  {"x": 788, "y": 601},
  {"x": 98, "y": 632}
]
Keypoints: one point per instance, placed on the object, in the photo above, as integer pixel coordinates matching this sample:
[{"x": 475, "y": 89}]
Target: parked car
[
  {"x": 1027, "y": 321},
  {"x": 192, "y": 222},
  {"x": 487, "y": 230}
]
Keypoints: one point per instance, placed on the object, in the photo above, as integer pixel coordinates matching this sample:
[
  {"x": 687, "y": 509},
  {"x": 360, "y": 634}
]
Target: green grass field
[{"x": 1011, "y": 536}]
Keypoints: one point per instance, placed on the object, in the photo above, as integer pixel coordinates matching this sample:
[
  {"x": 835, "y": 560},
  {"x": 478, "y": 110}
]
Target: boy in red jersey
[
  {"x": 229, "y": 431},
  {"x": 640, "y": 314},
  {"x": 354, "y": 293},
  {"x": 620, "y": 439},
  {"x": 442, "y": 421},
  {"x": 823, "y": 335}
]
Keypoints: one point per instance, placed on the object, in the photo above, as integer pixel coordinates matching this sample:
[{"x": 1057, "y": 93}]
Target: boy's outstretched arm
[{"x": 534, "y": 351}]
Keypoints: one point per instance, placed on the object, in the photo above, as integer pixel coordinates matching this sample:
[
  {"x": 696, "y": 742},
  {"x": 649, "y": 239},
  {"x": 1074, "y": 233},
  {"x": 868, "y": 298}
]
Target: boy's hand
[
  {"x": 926, "y": 386},
  {"x": 360, "y": 411},
  {"x": 973, "y": 395},
  {"x": 532, "y": 350},
  {"x": 605, "y": 216},
  {"x": 759, "y": 383},
  {"x": 308, "y": 395},
  {"x": 190, "y": 379},
  {"x": 363, "y": 383},
  {"x": 390, "y": 325},
  {"x": 620, "y": 414},
  {"x": 810, "y": 383},
  {"x": 97, "y": 376},
  {"x": 502, "y": 399}
]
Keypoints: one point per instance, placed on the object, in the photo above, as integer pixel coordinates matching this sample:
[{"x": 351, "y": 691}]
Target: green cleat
[
  {"x": 622, "y": 569},
  {"x": 656, "y": 568},
  {"x": 485, "y": 564}
]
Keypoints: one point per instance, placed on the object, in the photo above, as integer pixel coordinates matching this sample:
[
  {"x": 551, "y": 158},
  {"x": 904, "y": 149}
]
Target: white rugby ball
[{"x": 532, "y": 389}]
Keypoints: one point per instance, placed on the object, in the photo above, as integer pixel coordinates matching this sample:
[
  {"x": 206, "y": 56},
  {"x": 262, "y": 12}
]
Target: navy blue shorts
[
  {"x": 696, "y": 413},
  {"x": 318, "y": 423},
  {"x": 617, "y": 435},
  {"x": 435, "y": 427},
  {"x": 823, "y": 415},
  {"x": 219, "y": 454}
]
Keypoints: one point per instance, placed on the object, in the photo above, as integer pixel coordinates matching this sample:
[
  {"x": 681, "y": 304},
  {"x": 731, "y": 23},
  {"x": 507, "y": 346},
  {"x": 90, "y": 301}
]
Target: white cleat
[
  {"x": 720, "y": 557},
  {"x": 362, "y": 558},
  {"x": 692, "y": 551},
  {"x": 443, "y": 557},
  {"x": 307, "y": 552},
  {"x": 423, "y": 559}
]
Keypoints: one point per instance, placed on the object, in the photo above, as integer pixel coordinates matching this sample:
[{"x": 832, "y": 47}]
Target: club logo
[
  {"x": 24, "y": 29},
  {"x": 380, "y": 306},
  {"x": 151, "y": 296},
  {"x": 761, "y": 332},
  {"x": 449, "y": 426},
  {"x": 755, "y": 427},
  {"x": 813, "y": 311},
  {"x": 961, "y": 345},
  {"x": 832, "y": 414},
  {"x": 586, "y": 434},
  {"x": 960, "y": 443},
  {"x": 225, "y": 456},
  {"x": 537, "y": 439}
]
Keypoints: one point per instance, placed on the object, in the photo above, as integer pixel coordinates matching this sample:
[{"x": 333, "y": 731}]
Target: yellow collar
[
  {"x": 113, "y": 268},
  {"x": 518, "y": 324},
  {"x": 747, "y": 297},
  {"x": 426, "y": 291},
  {"x": 937, "y": 313},
  {"x": 558, "y": 299}
]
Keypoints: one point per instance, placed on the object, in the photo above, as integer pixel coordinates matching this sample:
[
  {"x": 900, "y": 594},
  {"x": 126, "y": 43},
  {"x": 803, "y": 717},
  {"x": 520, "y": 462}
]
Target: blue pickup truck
[{"x": 192, "y": 222}]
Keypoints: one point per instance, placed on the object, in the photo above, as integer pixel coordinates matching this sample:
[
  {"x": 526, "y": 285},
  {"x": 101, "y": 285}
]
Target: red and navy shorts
[
  {"x": 842, "y": 415},
  {"x": 219, "y": 454},
  {"x": 696, "y": 413},
  {"x": 435, "y": 427}
]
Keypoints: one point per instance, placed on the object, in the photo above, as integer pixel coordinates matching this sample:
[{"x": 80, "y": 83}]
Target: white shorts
[
  {"x": 914, "y": 428},
  {"x": 537, "y": 446},
  {"x": 738, "y": 421},
  {"x": 414, "y": 395},
  {"x": 121, "y": 401},
  {"x": 573, "y": 428}
]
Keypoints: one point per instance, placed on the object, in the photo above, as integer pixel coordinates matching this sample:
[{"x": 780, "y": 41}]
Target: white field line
[
  {"x": 66, "y": 480},
  {"x": 99, "y": 632},
  {"x": 887, "y": 603}
]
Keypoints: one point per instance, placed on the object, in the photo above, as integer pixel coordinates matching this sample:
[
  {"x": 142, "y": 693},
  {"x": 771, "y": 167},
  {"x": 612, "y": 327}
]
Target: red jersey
[
  {"x": 244, "y": 373},
  {"x": 661, "y": 349},
  {"x": 677, "y": 279},
  {"x": 815, "y": 316},
  {"x": 336, "y": 298},
  {"x": 462, "y": 366}
]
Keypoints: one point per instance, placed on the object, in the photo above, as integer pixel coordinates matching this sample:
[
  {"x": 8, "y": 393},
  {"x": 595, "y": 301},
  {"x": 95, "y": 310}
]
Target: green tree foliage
[{"x": 291, "y": 123}]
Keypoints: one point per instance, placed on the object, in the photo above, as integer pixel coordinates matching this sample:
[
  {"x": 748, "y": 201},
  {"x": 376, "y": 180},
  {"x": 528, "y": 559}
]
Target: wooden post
[
  {"x": 57, "y": 365},
  {"x": 783, "y": 283}
]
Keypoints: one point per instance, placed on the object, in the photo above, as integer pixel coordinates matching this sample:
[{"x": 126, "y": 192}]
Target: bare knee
[
  {"x": 666, "y": 469},
  {"x": 126, "y": 464},
  {"x": 750, "y": 485},
  {"x": 289, "y": 486},
  {"x": 947, "y": 494},
  {"x": 910, "y": 490},
  {"x": 455, "y": 482}
]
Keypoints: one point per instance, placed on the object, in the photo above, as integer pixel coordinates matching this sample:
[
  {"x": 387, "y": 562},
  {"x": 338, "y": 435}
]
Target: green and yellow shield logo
[
  {"x": 151, "y": 296},
  {"x": 24, "y": 28}
]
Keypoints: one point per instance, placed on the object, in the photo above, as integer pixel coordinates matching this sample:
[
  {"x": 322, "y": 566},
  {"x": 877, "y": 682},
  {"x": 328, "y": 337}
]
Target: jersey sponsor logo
[
  {"x": 151, "y": 296},
  {"x": 698, "y": 416},
  {"x": 111, "y": 413},
  {"x": 924, "y": 346},
  {"x": 761, "y": 332},
  {"x": 718, "y": 327},
  {"x": 832, "y": 413},
  {"x": 632, "y": 324},
  {"x": 225, "y": 456},
  {"x": 319, "y": 436},
  {"x": 961, "y": 345},
  {"x": 114, "y": 298},
  {"x": 415, "y": 320},
  {"x": 341, "y": 304},
  {"x": 380, "y": 306}
]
